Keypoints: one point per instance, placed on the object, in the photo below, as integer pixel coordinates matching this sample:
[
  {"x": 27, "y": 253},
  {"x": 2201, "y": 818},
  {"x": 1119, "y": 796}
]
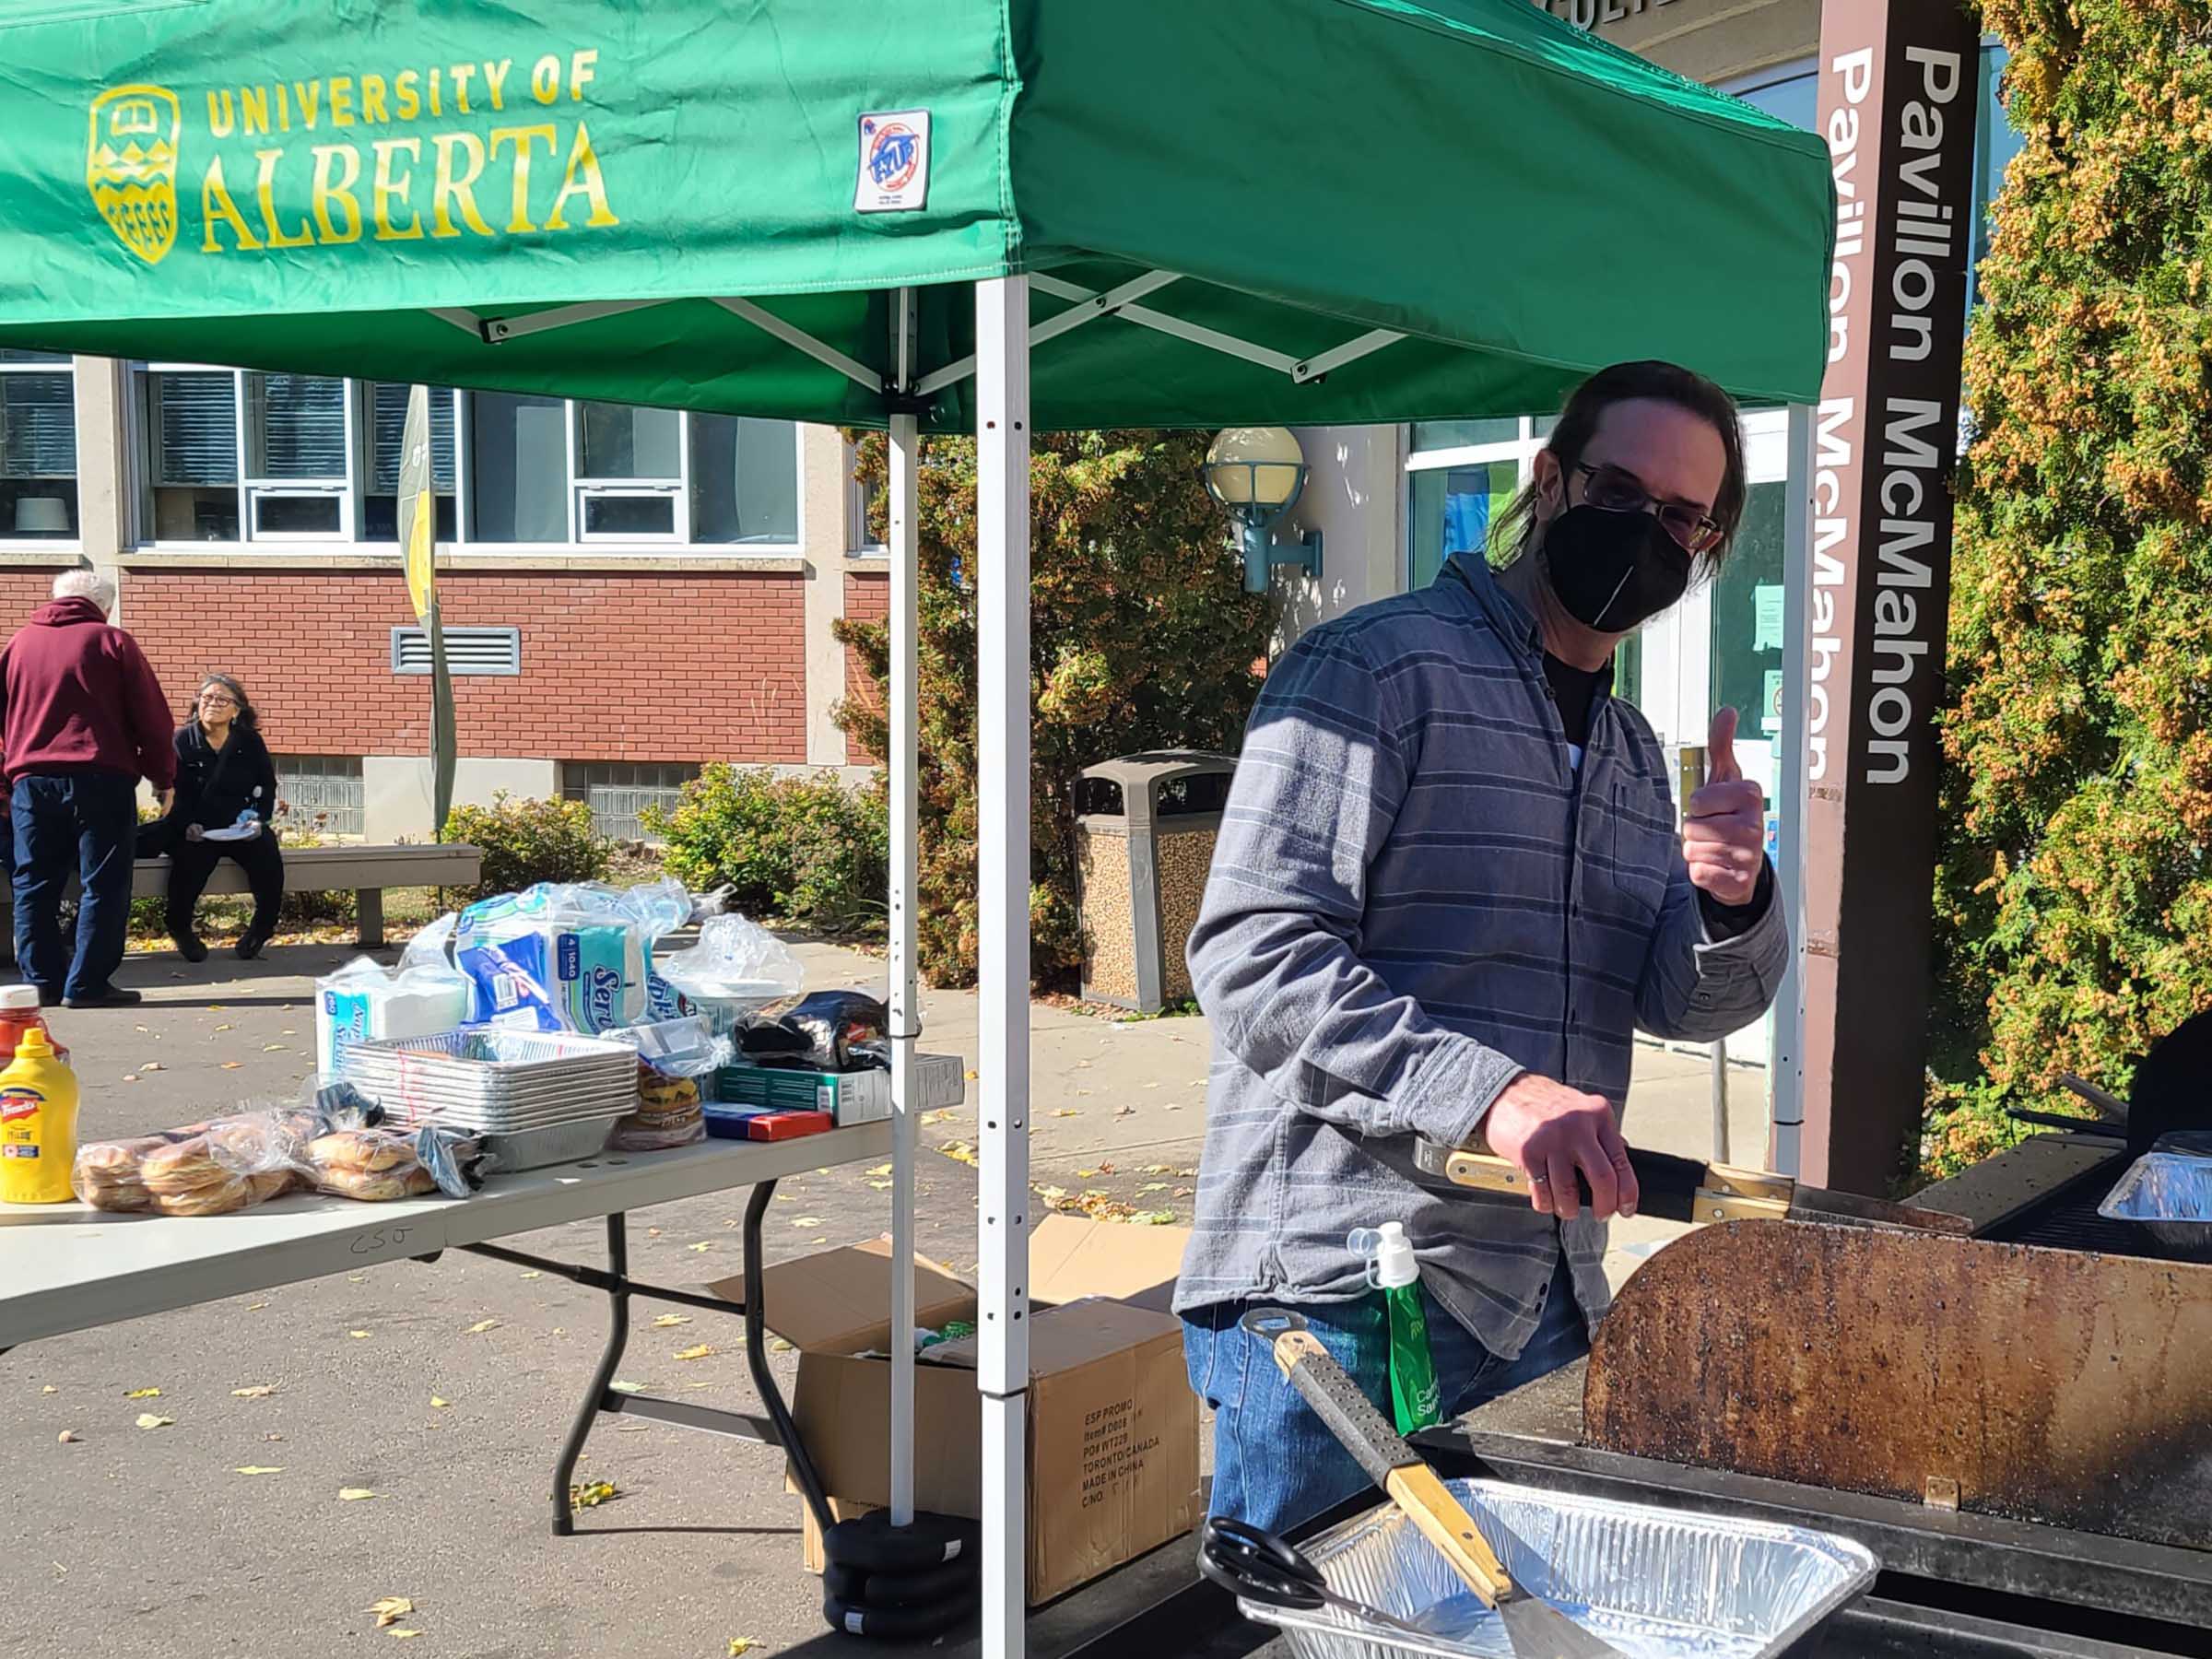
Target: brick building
[{"x": 627, "y": 593}]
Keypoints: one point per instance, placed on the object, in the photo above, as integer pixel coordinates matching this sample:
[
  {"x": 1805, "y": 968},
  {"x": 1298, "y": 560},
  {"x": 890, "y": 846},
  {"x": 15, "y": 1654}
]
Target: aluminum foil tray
[
  {"x": 480, "y": 1119},
  {"x": 2168, "y": 1190},
  {"x": 1655, "y": 1583},
  {"x": 537, "y": 1149}
]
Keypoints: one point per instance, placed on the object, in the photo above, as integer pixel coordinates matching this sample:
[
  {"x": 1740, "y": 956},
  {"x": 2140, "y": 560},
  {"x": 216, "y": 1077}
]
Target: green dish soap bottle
[{"x": 1391, "y": 1268}]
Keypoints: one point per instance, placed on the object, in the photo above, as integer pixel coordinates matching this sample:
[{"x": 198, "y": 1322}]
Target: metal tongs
[{"x": 1261, "y": 1567}]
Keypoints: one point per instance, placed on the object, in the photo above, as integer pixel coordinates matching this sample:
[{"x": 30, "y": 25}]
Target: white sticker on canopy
[{"x": 894, "y": 162}]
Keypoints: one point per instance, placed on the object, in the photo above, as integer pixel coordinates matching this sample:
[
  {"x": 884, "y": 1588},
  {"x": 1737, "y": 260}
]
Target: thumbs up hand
[{"x": 1724, "y": 827}]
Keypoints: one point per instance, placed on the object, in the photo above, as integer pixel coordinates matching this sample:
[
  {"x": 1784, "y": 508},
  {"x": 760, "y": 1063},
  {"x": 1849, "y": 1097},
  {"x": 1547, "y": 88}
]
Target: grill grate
[{"x": 2070, "y": 1221}]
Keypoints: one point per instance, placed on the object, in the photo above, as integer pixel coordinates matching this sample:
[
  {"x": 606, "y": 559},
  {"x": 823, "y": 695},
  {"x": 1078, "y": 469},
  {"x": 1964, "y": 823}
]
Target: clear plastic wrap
[
  {"x": 363, "y": 1002},
  {"x": 673, "y": 1055},
  {"x": 572, "y": 956},
  {"x": 737, "y": 963}
]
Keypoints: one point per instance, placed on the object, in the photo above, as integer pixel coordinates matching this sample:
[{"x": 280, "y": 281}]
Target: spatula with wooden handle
[{"x": 1536, "y": 1628}]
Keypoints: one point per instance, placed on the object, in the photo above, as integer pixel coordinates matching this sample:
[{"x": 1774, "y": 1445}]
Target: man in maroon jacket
[{"x": 82, "y": 719}]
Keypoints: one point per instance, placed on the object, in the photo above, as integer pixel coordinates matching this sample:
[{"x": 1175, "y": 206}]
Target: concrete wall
[
  {"x": 1709, "y": 41},
  {"x": 396, "y": 790},
  {"x": 1356, "y": 496}
]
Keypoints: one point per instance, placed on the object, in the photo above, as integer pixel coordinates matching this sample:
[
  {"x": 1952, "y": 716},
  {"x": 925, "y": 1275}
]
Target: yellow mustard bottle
[{"x": 37, "y": 1123}]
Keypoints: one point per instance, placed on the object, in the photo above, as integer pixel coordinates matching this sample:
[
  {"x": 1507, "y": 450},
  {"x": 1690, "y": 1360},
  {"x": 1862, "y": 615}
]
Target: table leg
[
  {"x": 369, "y": 914},
  {"x": 756, "y": 1357},
  {"x": 617, "y": 1339}
]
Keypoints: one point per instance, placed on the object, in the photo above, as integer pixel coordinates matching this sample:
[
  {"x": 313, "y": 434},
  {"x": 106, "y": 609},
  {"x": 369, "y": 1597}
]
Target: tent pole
[
  {"x": 905, "y": 998},
  {"x": 1785, "y": 1052},
  {"x": 1002, "y": 488}
]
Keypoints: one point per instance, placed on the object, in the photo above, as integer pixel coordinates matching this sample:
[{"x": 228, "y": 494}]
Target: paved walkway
[{"x": 150, "y": 1543}]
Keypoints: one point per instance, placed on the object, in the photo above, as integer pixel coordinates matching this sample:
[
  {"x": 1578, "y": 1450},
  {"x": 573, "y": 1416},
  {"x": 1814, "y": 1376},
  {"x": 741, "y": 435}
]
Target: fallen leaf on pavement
[
  {"x": 591, "y": 1494},
  {"x": 222, "y": 1028},
  {"x": 439, "y": 1405},
  {"x": 1152, "y": 1187},
  {"x": 255, "y": 1307},
  {"x": 701, "y": 1352},
  {"x": 881, "y": 1186},
  {"x": 260, "y": 1391},
  {"x": 624, "y": 1385},
  {"x": 354, "y": 1494},
  {"x": 272, "y": 1048},
  {"x": 356, "y": 1336},
  {"x": 880, "y": 1170},
  {"x": 1153, "y": 1218},
  {"x": 232, "y": 1064},
  {"x": 50, "y": 1388},
  {"x": 959, "y": 1152},
  {"x": 147, "y": 1419},
  {"x": 258, "y": 1469},
  {"x": 534, "y": 1273},
  {"x": 1124, "y": 1112},
  {"x": 68, "y": 1437},
  {"x": 807, "y": 1222},
  {"x": 1183, "y": 1192},
  {"x": 1066, "y": 1111},
  {"x": 143, "y": 1394},
  {"x": 777, "y": 1345},
  {"x": 391, "y": 1609},
  {"x": 741, "y": 1645},
  {"x": 402, "y": 1634},
  {"x": 481, "y": 1326},
  {"x": 152, "y": 1065},
  {"x": 974, "y": 1075},
  {"x": 1158, "y": 1170},
  {"x": 673, "y": 1319},
  {"x": 702, "y": 1244},
  {"x": 652, "y": 1232},
  {"x": 130, "y": 1077}
]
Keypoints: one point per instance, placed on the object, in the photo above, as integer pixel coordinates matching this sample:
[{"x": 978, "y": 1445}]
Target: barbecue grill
[{"x": 2017, "y": 1423}]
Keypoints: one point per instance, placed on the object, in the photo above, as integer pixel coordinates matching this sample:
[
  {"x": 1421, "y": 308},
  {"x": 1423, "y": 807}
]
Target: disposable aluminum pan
[
  {"x": 1656, "y": 1583},
  {"x": 2168, "y": 1191},
  {"x": 537, "y": 1149},
  {"x": 484, "y": 1121}
]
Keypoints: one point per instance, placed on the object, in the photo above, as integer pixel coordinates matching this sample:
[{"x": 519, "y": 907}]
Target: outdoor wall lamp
[{"x": 1257, "y": 474}]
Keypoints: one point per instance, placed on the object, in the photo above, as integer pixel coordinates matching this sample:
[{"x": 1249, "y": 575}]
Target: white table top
[{"x": 67, "y": 1267}]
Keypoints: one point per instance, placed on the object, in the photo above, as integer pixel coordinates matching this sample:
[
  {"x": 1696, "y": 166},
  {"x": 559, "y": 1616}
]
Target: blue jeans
[
  {"x": 1274, "y": 1463},
  {"x": 84, "y": 824}
]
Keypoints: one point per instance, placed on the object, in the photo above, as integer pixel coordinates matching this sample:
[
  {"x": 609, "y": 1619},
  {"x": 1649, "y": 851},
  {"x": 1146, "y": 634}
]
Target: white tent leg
[
  {"x": 1785, "y": 1057},
  {"x": 905, "y": 998},
  {"x": 1002, "y": 488}
]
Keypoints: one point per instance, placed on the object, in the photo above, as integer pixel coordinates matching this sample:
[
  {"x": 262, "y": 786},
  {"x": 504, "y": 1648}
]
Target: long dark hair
[
  {"x": 246, "y": 720},
  {"x": 1624, "y": 382}
]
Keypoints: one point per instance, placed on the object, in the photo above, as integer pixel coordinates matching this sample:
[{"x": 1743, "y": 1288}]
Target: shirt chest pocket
[{"x": 1644, "y": 846}]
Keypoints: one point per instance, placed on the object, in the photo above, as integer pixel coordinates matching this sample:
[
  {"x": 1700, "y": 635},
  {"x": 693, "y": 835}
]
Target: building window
[
  {"x": 38, "y": 446},
  {"x": 321, "y": 793},
  {"x": 229, "y": 455},
  {"x": 617, "y": 791},
  {"x": 1460, "y": 477}
]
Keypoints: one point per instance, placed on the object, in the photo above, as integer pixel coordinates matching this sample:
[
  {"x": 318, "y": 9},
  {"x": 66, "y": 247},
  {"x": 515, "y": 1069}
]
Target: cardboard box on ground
[{"x": 1112, "y": 1424}]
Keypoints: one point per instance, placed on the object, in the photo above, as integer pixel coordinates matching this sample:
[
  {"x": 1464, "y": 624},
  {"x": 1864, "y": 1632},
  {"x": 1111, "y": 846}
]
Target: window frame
[
  {"x": 140, "y": 469},
  {"x": 1520, "y": 450},
  {"x": 10, "y": 541}
]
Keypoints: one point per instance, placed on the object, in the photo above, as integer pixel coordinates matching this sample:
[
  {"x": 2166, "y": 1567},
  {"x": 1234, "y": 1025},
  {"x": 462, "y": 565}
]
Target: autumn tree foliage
[
  {"x": 2074, "y": 899},
  {"x": 1141, "y": 637}
]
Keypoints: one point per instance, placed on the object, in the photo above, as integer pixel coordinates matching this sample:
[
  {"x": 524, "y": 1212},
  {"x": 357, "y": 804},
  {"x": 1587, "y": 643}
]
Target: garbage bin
[{"x": 1144, "y": 831}]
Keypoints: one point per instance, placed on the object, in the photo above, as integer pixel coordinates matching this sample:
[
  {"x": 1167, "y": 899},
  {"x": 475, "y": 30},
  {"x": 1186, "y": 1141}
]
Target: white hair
[{"x": 86, "y": 584}]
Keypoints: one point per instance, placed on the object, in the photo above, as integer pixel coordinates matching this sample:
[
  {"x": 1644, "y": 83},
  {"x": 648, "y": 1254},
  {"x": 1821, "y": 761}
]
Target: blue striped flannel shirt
[{"x": 1418, "y": 894}]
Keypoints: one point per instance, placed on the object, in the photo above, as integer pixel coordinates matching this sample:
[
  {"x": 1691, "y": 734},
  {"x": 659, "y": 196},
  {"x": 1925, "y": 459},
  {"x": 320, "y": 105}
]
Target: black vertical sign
[{"x": 1899, "y": 102}]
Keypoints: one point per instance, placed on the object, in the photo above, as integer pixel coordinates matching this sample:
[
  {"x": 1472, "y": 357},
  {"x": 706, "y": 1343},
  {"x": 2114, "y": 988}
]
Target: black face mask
[{"x": 1613, "y": 570}]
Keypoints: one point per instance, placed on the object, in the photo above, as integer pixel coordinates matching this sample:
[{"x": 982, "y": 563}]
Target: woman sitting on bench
[{"x": 226, "y": 792}]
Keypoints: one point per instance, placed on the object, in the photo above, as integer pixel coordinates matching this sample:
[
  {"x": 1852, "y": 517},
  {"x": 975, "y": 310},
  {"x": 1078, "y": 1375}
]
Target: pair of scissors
[{"x": 1261, "y": 1567}]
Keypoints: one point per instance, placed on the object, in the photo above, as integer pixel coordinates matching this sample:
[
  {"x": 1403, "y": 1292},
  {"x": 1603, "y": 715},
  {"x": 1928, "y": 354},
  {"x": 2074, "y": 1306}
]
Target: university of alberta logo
[{"x": 131, "y": 167}]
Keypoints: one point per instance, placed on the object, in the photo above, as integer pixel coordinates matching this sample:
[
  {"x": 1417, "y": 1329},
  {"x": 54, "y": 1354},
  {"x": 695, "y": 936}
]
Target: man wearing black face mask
[{"x": 1449, "y": 890}]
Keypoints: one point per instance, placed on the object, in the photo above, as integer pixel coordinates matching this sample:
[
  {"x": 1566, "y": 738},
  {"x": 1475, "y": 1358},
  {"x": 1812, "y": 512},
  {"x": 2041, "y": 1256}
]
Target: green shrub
[
  {"x": 1141, "y": 637},
  {"x": 2075, "y": 890},
  {"x": 807, "y": 849},
  {"x": 528, "y": 841}
]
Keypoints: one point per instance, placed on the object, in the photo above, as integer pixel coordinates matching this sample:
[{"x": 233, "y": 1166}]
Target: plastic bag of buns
[{"x": 207, "y": 1169}]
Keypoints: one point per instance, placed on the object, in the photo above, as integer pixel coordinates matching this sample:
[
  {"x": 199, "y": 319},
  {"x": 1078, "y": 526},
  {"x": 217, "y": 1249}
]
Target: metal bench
[{"x": 366, "y": 870}]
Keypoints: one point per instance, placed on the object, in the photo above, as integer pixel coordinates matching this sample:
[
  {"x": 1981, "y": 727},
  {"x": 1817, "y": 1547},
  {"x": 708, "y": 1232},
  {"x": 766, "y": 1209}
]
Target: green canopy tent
[{"x": 978, "y": 216}]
